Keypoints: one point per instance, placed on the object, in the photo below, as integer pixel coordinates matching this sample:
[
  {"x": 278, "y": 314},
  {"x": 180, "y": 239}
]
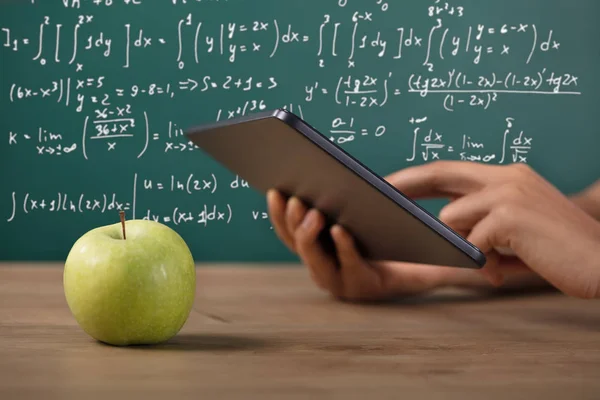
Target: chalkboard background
[{"x": 94, "y": 96}]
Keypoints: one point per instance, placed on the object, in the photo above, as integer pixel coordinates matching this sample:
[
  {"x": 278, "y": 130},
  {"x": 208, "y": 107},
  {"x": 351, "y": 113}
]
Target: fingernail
[
  {"x": 292, "y": 207},
  {"x": 309, "y": 220},
  {"x": 336, "y": 231}
]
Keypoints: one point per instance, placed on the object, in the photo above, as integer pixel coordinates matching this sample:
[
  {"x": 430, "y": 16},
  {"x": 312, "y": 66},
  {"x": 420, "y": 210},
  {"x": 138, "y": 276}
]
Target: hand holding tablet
[{"x": 277, "y": 150}]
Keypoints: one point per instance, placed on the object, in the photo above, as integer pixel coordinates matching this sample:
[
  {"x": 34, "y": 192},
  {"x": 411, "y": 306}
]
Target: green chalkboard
[{"x": 94, "y": 95}]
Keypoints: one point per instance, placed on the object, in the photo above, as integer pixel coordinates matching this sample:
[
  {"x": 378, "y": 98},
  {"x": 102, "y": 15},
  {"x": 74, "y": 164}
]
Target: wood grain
[{"x": 268, "y": 333}]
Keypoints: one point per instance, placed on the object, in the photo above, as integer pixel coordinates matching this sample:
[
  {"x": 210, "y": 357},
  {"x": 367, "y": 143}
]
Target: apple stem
[{"x": 122, "y": 214}]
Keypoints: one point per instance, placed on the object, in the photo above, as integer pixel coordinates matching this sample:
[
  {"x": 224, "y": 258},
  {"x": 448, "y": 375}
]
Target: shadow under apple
[{"x": 203, "y": 342}]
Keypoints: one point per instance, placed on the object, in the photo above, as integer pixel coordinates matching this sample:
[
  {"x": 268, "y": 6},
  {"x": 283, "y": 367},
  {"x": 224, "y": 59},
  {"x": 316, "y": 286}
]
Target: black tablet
[{"x": 278, "y": 150}]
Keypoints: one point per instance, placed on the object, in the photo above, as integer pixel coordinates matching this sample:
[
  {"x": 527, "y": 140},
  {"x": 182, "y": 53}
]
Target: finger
[
  {"x": 346, "y": 251},
  {"x": 440, "y": 179},
  {"x": 321, "y": 265},
  {"x": 294, "y": 215},
  {"x": 276, "y": 206},
  {"x": 356, "y": 275},
  {"x": 490, "y": 270},
  {"x": 485, "y": 237},
  {"x": 463, "y": 213}
]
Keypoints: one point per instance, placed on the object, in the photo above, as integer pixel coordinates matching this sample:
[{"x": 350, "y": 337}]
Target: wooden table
[{"x": 268, "y": 333}]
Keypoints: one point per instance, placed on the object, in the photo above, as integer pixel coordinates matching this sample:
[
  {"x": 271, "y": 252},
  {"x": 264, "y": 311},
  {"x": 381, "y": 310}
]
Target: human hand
[
  {"x": 345, "y": 274},
  {"x": 512, "y": 207}
]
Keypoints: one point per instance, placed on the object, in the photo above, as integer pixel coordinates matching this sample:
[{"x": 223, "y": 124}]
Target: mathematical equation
[
  {"x": 433, "y": 145},
  {"x": 194, "y": 39},
  {"x": 112, "y": 131},
  {"x": 30, "y": 203}
]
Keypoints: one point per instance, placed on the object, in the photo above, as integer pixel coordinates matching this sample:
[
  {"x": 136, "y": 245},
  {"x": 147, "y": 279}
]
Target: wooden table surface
[{"x": 268, "y": 333}]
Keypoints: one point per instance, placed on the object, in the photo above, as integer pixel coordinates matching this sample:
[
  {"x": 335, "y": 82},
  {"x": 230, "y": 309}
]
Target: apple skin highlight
[{"x": 134, "y": 291}]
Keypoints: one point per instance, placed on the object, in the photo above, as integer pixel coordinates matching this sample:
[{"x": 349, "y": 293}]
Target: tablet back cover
[{"x": 268, "y": 152}]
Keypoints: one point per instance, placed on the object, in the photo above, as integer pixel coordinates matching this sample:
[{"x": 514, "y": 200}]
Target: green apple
[{"x": 131, "y": 283}]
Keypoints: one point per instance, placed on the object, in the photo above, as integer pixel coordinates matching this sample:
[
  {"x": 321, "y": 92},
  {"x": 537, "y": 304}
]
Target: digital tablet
[{"x": 278, "y": 150}]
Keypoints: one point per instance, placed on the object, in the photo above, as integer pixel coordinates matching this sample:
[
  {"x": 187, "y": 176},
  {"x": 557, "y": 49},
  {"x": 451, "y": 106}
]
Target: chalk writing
[
  {"x": 430, "y": 144},
  {"x": 104, "y": 90}
]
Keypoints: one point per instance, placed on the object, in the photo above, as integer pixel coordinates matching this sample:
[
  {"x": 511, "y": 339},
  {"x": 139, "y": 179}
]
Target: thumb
[
  {"x": 491, "y": 270},
  {"x": 484, "y": 236}
]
